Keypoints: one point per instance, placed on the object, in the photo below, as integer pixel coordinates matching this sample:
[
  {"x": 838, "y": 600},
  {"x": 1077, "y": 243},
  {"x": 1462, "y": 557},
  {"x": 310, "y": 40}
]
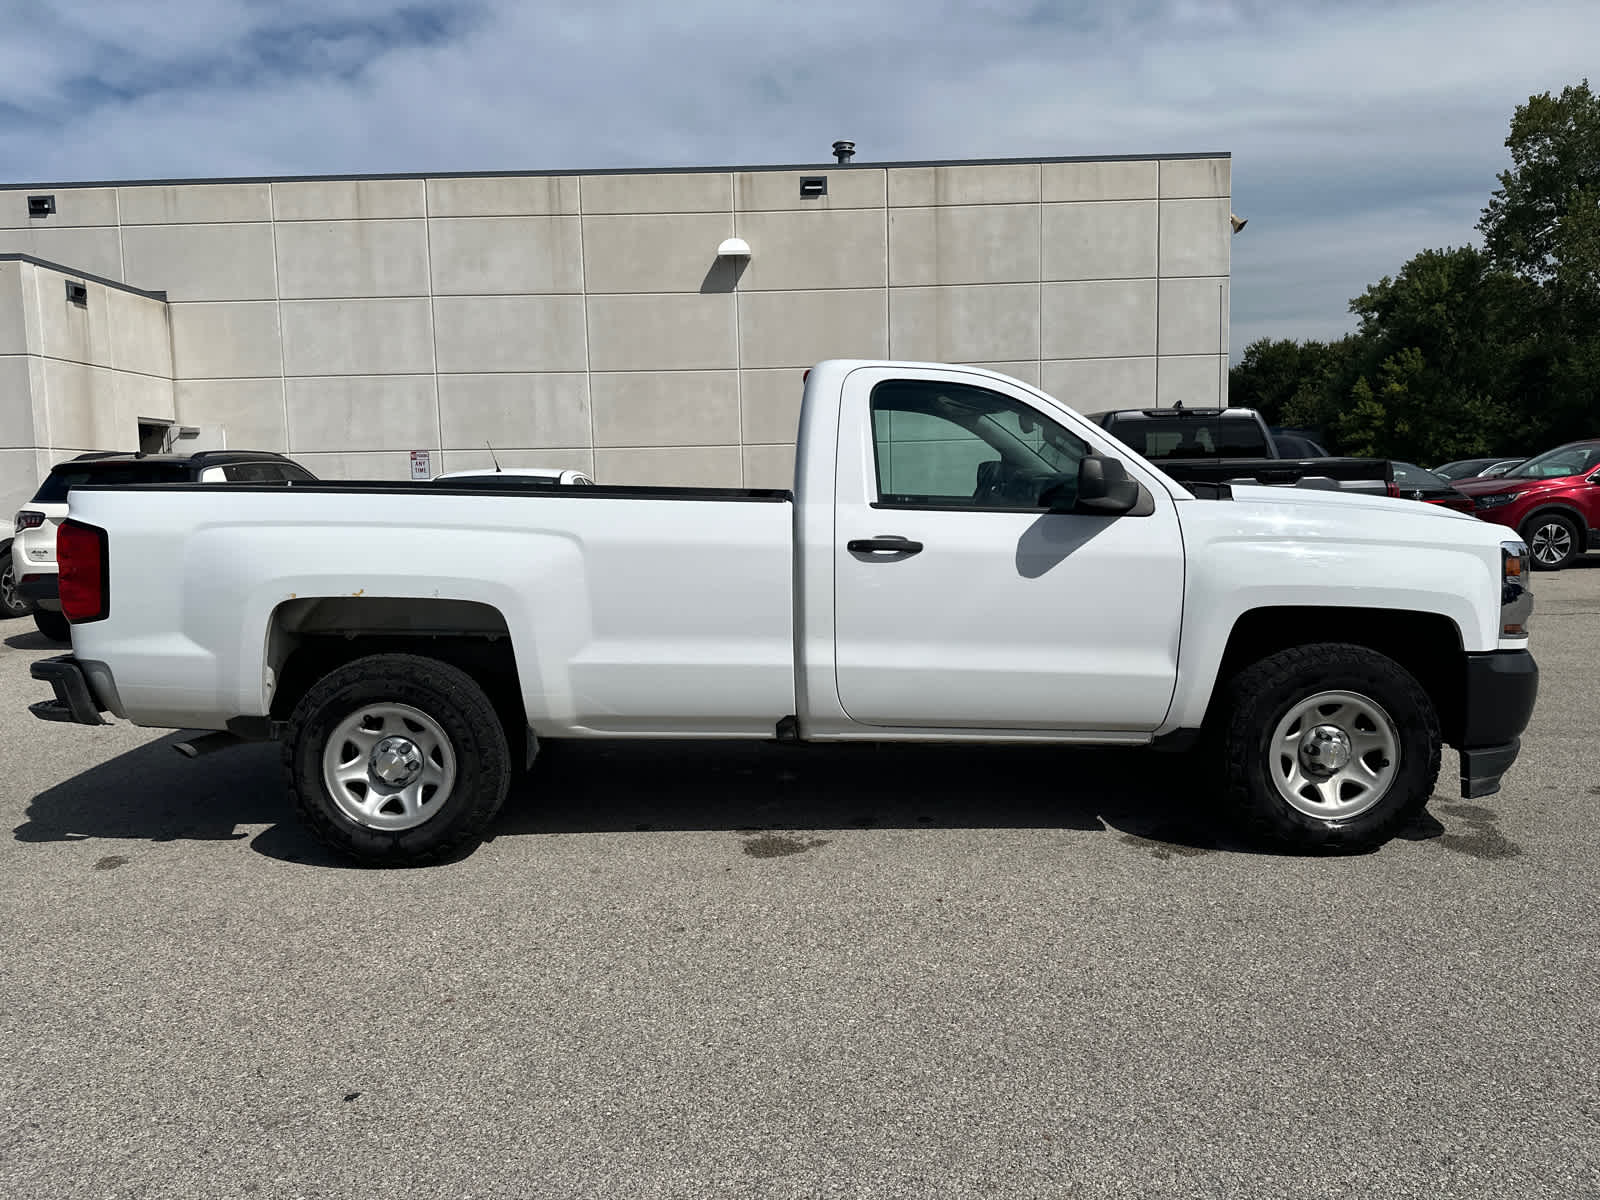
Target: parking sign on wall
[{"x": 420, "y": 468}]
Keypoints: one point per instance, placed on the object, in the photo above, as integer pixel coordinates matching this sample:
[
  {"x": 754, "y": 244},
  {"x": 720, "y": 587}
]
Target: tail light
[
  {"x": 1393, "y": 489},
  {"x": 28, "y": 519},
  {"x": 85, "y": 568}
]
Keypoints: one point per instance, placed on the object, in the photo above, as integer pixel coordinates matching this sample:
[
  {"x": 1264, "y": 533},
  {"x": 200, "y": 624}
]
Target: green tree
[
  {"x": 1272, "y": 372},
  {"x": 1441, "y": 348},
  {"x": 1543, "y": 221},
  {"x": 1465, "y": 351},
  {"x": 1543, "y": 224}
]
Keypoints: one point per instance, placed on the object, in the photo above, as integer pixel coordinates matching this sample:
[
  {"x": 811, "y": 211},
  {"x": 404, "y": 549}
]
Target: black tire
[
  {"x": 1556, "y": 535},
  {"x": 448, "y": 697},
  {"x": 53, "y": 625},
  {"x": 11, "y": 604},
  {"x": 1263, "y": 695}
]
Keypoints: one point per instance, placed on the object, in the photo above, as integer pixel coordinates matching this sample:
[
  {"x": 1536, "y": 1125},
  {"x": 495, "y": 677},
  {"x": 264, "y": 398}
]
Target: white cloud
[{"x": 1361, "y": 132}]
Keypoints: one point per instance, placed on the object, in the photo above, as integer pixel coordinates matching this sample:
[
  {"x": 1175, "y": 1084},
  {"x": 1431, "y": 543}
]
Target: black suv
[{"x": 29, "y": 557}]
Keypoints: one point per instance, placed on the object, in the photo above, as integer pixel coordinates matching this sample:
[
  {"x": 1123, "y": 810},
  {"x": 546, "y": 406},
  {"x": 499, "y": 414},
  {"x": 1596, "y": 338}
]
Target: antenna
[{"x": 495, "y": 457}]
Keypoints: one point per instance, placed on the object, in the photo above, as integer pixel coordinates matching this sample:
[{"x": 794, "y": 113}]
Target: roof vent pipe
[{"x": 844, "y": 151}]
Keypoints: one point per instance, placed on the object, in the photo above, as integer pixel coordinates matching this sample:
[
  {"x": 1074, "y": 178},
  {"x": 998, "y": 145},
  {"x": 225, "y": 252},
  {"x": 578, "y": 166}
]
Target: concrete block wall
[
  {"x": 585, "y": 320},
  {"x": 74, "y": 377}
]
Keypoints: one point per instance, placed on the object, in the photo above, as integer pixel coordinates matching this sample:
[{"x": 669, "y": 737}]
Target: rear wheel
[
  {"x": 1329, "y": 747},
  {"x": 53, "y": 625},
  {"x": 11, "y": 602},
  {"x": 397, "y": 760},
  {"x": 1554, "y": 540}
]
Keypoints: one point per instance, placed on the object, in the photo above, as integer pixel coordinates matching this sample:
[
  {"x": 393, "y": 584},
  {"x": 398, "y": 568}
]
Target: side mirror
[{"x": 1104, "y": 488}]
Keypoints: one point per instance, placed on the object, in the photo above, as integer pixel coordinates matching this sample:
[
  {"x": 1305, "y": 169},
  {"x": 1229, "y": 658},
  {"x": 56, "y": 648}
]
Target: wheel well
[
  {"x": 1548, "y": 510},
  {"x": 1426, "y": 644},
  {"x": 310, "y": 638}
]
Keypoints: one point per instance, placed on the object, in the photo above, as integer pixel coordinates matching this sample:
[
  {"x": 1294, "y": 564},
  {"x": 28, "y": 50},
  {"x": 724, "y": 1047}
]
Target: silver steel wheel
[
  {"x": 388, "y": 766},
  {"x": 1334, "y": 755},
  {"x": 1551, "y": 542}
]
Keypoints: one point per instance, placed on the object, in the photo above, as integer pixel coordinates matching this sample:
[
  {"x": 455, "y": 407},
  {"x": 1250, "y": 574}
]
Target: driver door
[{"x": 992, "y": 612}]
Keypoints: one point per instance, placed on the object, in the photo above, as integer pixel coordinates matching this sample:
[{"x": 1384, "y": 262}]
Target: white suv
[{"x": 33, "y": 547}]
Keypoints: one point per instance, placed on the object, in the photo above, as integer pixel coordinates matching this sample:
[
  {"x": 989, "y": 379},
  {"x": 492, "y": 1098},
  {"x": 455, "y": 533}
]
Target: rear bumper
[
  {"x": 35, "y": 587},
  {"x": 74, "y": 702},
  {"x": 1497, "y": 702}
]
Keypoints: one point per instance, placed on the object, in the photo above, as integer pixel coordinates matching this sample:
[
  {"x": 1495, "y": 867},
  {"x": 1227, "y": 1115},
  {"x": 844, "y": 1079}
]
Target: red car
[{"x": 1552, "y": 500}]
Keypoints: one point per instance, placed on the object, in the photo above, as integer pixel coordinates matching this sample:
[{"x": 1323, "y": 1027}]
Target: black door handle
[{"x": 888, "y": 544}]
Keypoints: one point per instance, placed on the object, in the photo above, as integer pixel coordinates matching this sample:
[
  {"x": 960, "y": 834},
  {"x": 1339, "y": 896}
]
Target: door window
[{"x": 946, "y": 445}]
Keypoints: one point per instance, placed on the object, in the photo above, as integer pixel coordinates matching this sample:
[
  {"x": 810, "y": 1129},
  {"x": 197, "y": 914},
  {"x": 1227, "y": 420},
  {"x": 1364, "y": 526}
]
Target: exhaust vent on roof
[{"x": 844, "y": 151}]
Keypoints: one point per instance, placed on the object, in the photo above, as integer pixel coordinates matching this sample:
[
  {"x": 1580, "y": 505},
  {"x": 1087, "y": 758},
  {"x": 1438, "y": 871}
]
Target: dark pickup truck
[{"x": 1210, "y": 447}]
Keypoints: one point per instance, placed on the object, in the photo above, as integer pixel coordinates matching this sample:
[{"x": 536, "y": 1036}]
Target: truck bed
[{"x": 591, "y": 584}]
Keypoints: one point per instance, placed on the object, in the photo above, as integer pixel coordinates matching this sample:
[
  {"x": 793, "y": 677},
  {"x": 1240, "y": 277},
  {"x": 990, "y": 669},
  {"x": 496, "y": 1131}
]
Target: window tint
[
  {"x": 251, "y": 473},
  {"x": 296, "y": 472},
  {"x": 1292, "y": 446},
  {"x": 964, "y": 447},
  {"x": 65, "y": 477},
  {"x": 1409, "y": 475},
  {"x": 1190, "y": 437}
]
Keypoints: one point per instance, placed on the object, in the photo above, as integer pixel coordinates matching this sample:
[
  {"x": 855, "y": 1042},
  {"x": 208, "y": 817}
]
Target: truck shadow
[
  {"x": 33, "y": 640},
  {"x": 752, "y": 786},
  {"x": 154, "y": 794}
]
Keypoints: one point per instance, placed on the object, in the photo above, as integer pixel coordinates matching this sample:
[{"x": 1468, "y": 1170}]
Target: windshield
[
  {"x": 1558, "y": 463},
  {"x": 68, "y": 476}
]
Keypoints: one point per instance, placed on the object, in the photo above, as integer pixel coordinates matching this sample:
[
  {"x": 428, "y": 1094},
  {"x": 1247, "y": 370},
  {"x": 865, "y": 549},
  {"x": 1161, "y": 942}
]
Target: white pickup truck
[{"x": 963, "y": 558}]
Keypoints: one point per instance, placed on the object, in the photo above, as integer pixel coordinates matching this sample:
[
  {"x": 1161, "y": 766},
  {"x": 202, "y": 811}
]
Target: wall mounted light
[
  {"x": 77, "y": 293},
  {"x": 734, "y": 247},
  {"x": 812, "y": 186},
  {"x": 41, "y": 206}
]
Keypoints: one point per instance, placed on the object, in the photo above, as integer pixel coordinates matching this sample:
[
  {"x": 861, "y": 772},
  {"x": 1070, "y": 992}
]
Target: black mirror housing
[{"x": 1104, "y": 487}]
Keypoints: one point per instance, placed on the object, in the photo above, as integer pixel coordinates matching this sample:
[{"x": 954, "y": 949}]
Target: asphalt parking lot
[{"x": 705, "y": 970}]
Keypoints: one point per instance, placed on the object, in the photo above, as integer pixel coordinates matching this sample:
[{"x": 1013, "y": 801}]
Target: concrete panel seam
[
  {"x": 84, "y": 362},
  {"x": 888, "y": 282},
  {"x": 44, "y": 377},
  {"x": 738, "y": 349},
  {"x": 283, "y": 354},
  {"x": 583, "y": 291},
  {"x": 433, "y": 321}
]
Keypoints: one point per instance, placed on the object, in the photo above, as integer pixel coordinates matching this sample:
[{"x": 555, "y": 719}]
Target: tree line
[{"x": 1466, "y": 351}]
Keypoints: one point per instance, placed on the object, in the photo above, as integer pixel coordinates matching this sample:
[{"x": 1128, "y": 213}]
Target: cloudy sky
[{"x": 1361, "y": 130}]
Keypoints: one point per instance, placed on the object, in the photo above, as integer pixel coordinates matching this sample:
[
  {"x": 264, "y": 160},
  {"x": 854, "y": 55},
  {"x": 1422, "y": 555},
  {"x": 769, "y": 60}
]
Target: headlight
[
  {"x": 1516, "y": 601},
  {"x": 1497, "y": 501}
]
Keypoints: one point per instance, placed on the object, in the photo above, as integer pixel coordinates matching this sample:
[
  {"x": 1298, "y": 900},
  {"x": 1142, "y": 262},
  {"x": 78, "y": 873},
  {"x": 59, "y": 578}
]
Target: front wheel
[
  {"x": 1329, "y": 747},
  {"x": 1553, "y": 541},
  {"x": 397, "y": 760}
]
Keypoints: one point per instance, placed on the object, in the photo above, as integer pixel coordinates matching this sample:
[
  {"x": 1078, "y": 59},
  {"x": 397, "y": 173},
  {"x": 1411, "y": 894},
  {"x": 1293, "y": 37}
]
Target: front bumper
[
  {"x": 1499, "y": 692},
  {"x": 74, "y": 702}
]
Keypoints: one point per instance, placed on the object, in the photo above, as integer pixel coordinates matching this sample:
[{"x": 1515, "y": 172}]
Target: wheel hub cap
[
  {"x": 1334, "y": 755},
  {"x": 1551, "y": 543},
  {"x": 396, "y": 762},
  {"x": 1325, "y": 749}
]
